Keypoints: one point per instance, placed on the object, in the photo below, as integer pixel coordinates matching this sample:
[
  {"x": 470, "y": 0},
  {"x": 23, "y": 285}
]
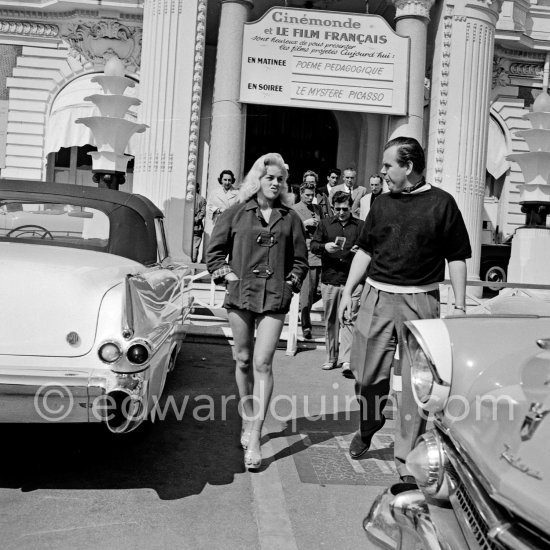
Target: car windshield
[{"x": 54, "y": 223}]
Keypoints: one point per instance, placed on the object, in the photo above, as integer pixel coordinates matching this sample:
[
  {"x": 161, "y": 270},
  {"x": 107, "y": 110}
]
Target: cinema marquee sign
[{"x": 325, "y": 60}]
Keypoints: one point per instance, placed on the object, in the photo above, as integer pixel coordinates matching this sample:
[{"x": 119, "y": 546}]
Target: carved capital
[
  {"x": 490, "y": 7},
  {"x": 413, "y": 8},
  {"x": 246, "y": 3},
  {"x": 96, "y": 40}
]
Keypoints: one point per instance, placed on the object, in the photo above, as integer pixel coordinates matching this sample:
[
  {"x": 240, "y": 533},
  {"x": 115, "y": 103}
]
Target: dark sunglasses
[{"x": 341, "y": 208}]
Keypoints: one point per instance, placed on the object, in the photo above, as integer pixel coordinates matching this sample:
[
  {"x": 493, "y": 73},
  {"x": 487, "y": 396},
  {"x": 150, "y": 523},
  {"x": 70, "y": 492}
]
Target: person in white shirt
[
  {"x": 377, "y": 188},
  {"x": 221, "y": 198}
]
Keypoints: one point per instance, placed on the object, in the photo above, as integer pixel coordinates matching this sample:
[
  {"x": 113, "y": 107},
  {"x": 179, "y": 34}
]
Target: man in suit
[
  {"x": 357, "y": 192},
  {"x": 324, "y": 194},
  {"x": 310, "y": 214},
  {"x": 377, "y": 188}
]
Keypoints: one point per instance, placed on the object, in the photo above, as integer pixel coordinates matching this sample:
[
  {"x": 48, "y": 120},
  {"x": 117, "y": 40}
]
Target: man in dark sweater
[
  {"x": 334, "y": 240},
  {"x": 408, "y": 234}
]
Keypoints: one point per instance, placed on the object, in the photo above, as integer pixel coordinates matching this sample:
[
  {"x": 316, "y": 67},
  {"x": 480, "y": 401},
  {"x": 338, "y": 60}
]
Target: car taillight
[
  {"x": 109, "y": 352},
  {"x": 138, "y": 354}
]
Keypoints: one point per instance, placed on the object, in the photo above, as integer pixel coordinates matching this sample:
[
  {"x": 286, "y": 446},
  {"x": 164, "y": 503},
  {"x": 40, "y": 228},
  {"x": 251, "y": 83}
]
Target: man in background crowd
[
  {"x": 356, "y": 192},
  {"x": 334, "y": 241},
  {"x": 324, "y": 193},
  {"x": 198, "y": 224},
  {"x": 310, "y": 214},
  {"x": 377, "y": 188}
]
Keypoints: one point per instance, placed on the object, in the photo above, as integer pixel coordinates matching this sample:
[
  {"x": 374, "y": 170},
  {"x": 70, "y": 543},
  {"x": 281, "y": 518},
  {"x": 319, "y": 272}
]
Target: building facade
[{"x": 475, "y": 68}]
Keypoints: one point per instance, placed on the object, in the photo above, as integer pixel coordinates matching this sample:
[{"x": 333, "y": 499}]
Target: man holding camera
[{"x": 334, "y": 240}]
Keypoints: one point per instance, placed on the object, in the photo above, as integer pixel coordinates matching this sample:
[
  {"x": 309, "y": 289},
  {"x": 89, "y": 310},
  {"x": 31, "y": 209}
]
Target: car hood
[
  {"x": 48, "y": 292},
  {"x": 499, "y": 371}
]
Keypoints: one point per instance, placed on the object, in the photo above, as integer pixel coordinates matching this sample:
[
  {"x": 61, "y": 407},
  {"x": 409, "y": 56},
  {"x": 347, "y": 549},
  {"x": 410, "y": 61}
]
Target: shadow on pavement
[
  {"x": 343, "y": 423},
  {"x": 175, "y": 457}
]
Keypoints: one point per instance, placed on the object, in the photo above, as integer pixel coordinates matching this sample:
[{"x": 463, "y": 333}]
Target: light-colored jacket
[{"x": 219, "y": 200}]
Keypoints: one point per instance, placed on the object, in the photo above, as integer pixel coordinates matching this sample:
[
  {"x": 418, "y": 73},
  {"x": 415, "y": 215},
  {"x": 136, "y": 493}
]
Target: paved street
[{"x": 181, "y": 484}]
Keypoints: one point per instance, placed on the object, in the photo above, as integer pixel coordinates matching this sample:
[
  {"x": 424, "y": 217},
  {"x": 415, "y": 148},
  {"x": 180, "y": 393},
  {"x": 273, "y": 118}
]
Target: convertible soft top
[
  {"x": 44, "y": 190},
  {"x": 132, "y": 217}
]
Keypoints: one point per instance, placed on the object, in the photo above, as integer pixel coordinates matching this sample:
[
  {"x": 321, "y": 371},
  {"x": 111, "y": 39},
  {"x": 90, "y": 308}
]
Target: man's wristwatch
[{"x": 461, "y": 308}]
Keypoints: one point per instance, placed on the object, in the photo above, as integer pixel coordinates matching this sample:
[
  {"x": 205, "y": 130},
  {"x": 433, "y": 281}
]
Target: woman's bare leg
[
  {"x": 242, "y": 323},
  {"x": 268, "y": 332}
]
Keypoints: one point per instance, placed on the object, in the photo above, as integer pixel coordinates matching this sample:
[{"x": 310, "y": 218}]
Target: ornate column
[
  {"x": 228, "y": 115},
  {"x": 459, "y": 112},
  {"x": 412, "y": 18},
  {"x": 166, "y": 163}
]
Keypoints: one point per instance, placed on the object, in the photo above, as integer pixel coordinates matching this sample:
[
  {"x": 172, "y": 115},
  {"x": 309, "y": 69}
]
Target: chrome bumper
[
  {"x": 399, "y": 519},
  {"x": 53, "y": 395}
]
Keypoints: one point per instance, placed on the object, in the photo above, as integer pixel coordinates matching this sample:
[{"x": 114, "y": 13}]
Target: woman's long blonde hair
[{"x": 251, "y": 183}]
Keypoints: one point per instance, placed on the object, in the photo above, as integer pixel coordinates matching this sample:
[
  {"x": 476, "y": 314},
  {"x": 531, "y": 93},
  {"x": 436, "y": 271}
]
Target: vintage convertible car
[
  {"x": 93, "y": 311},
  {"x": 483, "y": 471}
]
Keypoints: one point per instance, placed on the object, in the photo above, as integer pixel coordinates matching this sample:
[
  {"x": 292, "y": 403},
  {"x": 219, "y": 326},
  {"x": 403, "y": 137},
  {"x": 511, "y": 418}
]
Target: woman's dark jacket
[{"x": 270, "y": 259}]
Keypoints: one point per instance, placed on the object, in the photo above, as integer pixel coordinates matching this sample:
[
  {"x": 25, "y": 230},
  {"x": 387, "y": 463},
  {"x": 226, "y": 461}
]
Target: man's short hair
[
  {"x": 377, "y": 176},
  {"x": 350, "y": 169},
  {"x": 336, "y": 171},
  {"x": 310, "y": 173},
  {"x": 342, "y": 196},
  {"x": 408, "y": 150},
  {"x": 307, "y": 185}
]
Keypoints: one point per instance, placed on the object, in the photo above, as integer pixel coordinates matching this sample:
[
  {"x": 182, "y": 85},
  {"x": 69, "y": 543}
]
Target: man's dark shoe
[
  {"x": 307, "y": 333},
  {"x": 359, "y": 446},
  {"x": 346, "y": 370}
]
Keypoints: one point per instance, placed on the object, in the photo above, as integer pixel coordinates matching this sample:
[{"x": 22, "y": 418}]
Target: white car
[
  {"x": 93, "y": 311},
  {"x": 483, "y": 471}
]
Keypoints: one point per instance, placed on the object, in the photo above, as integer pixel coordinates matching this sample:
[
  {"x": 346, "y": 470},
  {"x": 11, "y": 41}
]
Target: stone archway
[{"x": 31, "y": 94}]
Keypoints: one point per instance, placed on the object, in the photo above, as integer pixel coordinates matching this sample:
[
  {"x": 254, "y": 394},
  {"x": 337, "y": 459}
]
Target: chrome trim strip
[
  {"x": 128, "y": 310},
  {"x": 499, "y": 528},
  {"x": 465, "y": 457}
]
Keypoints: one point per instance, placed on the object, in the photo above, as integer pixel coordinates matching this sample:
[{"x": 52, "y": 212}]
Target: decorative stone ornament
[
  {"x": 96, "y": 41},
  {"x": 29, "y": 28}
]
